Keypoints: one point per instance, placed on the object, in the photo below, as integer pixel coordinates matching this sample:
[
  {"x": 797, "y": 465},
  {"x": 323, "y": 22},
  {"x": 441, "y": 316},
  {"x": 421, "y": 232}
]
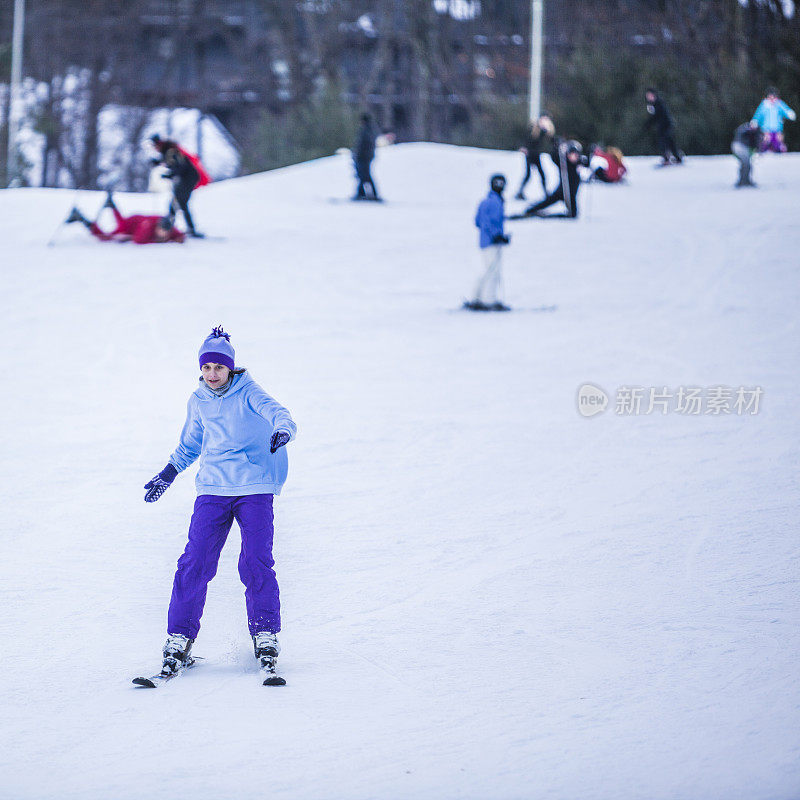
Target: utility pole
[
  {"x": 15, "y": 99},
  {"x": 537, "y": 16}
]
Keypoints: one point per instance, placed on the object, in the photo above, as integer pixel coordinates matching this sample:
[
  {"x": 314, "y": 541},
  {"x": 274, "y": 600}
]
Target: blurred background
[{"x": 252, "y": 85}]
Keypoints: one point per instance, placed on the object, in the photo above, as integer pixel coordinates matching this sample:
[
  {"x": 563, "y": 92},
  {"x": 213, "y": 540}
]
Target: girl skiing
[{"x": 238, "y": 431}]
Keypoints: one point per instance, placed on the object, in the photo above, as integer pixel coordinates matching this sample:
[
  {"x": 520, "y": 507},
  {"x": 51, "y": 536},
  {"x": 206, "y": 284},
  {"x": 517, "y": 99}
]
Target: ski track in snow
[{"x": 485, "y": 595}]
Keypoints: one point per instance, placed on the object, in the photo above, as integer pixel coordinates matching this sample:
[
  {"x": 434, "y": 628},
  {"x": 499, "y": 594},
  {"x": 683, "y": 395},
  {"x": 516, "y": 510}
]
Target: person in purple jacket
[
  {"x": 490, "y": 219},
  {"x": 239, "y": 434}
]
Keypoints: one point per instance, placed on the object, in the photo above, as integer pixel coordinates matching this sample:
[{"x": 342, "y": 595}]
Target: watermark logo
[
  {"x": 691, "y": 401},
  {"x": 591, "y": 400}
]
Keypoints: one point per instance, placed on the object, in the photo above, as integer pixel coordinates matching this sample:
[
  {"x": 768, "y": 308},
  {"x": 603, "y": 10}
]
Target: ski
[
  {"x": 529, "y": 309},
  {"x": 271, "y": 677},
  {"x": 356, "y": 201},
  {"x": 154, "y": 681},
  {"x": 206, "y": 237}
]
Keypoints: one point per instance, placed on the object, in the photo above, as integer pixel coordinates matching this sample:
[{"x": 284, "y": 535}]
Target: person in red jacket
[
  {"x": 606, "y": 164},
  {"x": 139, "y": 228}
]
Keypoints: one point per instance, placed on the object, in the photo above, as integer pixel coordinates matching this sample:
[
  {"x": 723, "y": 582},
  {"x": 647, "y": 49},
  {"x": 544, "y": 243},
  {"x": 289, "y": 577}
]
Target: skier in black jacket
[
  {"x": 363, "y": 154},
  {"x": 540, "y": 139},
  {"x": 570, "y": 157},
  {"x": 184, "y": 177},
  {"x": 659, "y": 115}
]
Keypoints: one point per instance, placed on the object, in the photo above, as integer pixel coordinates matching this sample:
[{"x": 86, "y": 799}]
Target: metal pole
[
  {"x": 537, "y": 16},
  {"x": 14, "y": 98}
]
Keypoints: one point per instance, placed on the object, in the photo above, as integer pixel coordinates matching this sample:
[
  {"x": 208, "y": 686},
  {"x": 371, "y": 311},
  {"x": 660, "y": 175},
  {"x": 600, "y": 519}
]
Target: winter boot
[
  {"x": 75, "y": 216},
  {"x": 266, "y": 647},
  {"x": 177, "y": 650},
  {"x": 475, "y": 305}
]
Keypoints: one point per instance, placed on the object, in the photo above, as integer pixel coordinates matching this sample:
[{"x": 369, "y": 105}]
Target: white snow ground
[{"x": 485, "y": 594}]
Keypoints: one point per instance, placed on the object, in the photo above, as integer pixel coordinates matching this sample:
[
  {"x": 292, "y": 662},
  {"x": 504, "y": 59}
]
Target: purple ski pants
[
  {"x": 211, "y": 522},
  {"x": 773, "y": 140}
]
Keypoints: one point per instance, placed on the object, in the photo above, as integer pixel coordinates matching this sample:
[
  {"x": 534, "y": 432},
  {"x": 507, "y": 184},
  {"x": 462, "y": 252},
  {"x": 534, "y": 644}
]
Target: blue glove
[
  {"x": 279, "y": 439},
  {"x": 159, "y": 484}
]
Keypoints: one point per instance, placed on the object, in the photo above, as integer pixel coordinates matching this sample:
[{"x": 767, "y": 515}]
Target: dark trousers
[
  {"x": 365, "y": 180},
  {"x": 742, "y": 153},
  {"x": 211, "y": 522},
  {"x": 553, "y": 198},
  {"x": 181, "y": 191},
  {"x": 535, "y": 161},
  {"x": 666, "y": 144}
]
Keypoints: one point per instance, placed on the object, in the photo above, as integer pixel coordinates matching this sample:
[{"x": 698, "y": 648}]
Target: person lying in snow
[
  {"x": 139, "y": 228},
  {"x": 606, "y": 164}
]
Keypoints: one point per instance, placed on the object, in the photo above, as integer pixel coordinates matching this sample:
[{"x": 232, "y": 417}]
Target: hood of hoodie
[{"x": 238, "y": 382}]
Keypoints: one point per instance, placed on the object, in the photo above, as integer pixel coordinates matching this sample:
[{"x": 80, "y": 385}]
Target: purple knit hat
[{"x": 217, "y": 349}]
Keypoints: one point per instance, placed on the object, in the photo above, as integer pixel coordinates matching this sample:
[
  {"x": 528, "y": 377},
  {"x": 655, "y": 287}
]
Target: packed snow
[{"x": 485, "y": 593}]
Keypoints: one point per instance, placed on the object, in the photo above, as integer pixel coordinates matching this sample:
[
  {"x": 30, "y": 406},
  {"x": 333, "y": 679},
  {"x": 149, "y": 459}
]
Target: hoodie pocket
[{"x": 229, "y": 468}]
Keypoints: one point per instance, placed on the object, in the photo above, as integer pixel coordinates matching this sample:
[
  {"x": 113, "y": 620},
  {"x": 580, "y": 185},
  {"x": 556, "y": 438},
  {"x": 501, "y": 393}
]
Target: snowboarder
[
  {"x": 186, "y": 173},
  {"x": 746, "y": 140},
  {"x": 570, "y": 157},
  {"x": 239, "y": 433},
  {"x": 489, "y": 219},
  {"x": 138, "y": 228},
  {"x": 606, "y": 164},
  {"x": 540, "y": 140},
  {"x": 659, "y": 115},
  {"x": 363, "y": 155},
  {"x": 769, "y": 116}
]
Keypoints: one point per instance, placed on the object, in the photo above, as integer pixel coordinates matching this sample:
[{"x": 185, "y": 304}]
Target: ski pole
[{"x": 52, "y": 240}]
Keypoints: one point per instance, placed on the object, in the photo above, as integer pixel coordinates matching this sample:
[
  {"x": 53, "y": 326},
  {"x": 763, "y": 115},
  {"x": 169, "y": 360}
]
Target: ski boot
[
  {"x": 177, "y": 654},
  {"x": 498, "y": 306},
  {"x": 475, "y": 305},
  {"x": 75, "y": 216},
  {"x": 266, "y": 648}
]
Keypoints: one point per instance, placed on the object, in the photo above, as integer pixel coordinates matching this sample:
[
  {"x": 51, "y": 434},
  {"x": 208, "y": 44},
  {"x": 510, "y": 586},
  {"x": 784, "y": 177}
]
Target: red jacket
[
  {"x": 616, "y": 169},
  {"x": 138, "y": 228},
  {"x": 163, "y": 145}
]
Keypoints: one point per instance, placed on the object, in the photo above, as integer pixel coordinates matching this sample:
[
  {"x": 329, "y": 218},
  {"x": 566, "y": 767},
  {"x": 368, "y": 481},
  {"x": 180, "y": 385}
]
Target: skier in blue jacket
[
  {"x": 490, "y": 219},
  {"x": 239, "y": 434},
  {"x": 769, "y": 116}
]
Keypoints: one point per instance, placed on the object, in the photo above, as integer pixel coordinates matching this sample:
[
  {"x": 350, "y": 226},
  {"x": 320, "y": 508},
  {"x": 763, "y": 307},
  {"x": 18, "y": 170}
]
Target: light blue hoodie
[
  {"x": 770, "y": 115},
  {"x": 231, "y": 434}
]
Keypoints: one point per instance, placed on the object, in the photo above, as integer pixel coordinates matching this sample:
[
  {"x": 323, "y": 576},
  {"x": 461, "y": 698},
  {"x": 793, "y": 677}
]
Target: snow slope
[{"x": 486, "y": 595}]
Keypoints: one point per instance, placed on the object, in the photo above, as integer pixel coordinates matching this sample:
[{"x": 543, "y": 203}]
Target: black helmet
[{"x": 498, "y": 183}]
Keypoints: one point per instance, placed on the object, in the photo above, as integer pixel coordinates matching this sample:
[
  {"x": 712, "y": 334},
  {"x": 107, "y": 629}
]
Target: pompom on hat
[{"x": 217, "y": 349}]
